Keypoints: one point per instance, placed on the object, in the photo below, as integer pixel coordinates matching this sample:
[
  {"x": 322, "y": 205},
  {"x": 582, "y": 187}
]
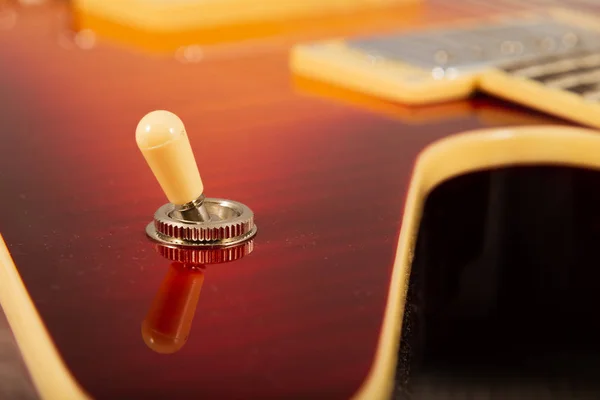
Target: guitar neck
[
  {"x": 478, "y": 8},
  {"x": 242, "y": 40}
]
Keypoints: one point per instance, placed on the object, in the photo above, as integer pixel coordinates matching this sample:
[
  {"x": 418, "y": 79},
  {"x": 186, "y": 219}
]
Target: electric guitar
[{"x": 401, "y": 252}]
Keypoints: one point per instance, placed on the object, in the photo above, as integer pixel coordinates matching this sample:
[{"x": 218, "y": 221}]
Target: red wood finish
[{"x": 297, "y": 318}]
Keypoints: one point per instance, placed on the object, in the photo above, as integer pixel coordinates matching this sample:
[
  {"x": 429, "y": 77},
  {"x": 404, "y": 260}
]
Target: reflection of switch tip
[
  {"x": 167, "y": 325},
  {"x": 159, "y": 342}
]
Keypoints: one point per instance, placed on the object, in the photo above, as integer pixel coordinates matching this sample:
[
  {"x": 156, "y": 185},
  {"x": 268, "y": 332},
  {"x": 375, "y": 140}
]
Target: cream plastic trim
[
  {"x": 535, "y": 95},
  {"x": 179, "y": 15},
  {"x": 336, "y": 63},
  {"x": 447, "y": 158},
  {"x": 50, "y": 376}
]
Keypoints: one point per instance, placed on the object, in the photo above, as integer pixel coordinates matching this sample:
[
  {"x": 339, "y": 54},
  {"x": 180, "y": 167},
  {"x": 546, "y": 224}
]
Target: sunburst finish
[{"x": 325, "y": 172}]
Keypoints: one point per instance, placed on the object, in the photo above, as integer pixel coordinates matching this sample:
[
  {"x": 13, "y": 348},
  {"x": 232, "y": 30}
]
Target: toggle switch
[{"x": 189, "y": 219}]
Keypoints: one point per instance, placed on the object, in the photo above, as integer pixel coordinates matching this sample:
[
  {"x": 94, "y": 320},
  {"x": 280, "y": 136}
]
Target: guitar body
[{"x": 314, "y": 311}]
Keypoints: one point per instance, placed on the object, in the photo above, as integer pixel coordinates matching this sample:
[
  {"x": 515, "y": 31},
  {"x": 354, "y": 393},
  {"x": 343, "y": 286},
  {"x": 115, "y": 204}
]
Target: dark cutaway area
[{"x": 505, "y": 288}]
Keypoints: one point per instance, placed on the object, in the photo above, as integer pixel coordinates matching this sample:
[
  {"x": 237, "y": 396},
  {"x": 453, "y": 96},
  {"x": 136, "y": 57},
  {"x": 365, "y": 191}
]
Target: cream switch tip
[
  {"x": 158, "y": 128},
  {"x": 163, "y": 141}
]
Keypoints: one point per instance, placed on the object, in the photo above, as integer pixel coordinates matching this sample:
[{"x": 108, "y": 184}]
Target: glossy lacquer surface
[{"x": 324, "y": 172}]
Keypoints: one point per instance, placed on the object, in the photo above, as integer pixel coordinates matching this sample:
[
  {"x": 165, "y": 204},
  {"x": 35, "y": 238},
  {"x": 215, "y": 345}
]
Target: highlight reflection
[
  {"x": 168, "y": 322},
  {"x": 8, "y": 16},
  {"x": 424, "y": 114}
]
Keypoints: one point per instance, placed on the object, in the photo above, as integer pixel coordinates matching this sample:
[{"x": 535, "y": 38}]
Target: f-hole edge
[{"x": 440, "y": 161}]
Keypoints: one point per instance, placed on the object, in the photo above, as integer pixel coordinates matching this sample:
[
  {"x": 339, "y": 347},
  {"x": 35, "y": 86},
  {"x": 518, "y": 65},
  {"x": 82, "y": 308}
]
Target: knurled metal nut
[
  {"x": 199, "y": 233},
  {"x": 231, "y": 223}
]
